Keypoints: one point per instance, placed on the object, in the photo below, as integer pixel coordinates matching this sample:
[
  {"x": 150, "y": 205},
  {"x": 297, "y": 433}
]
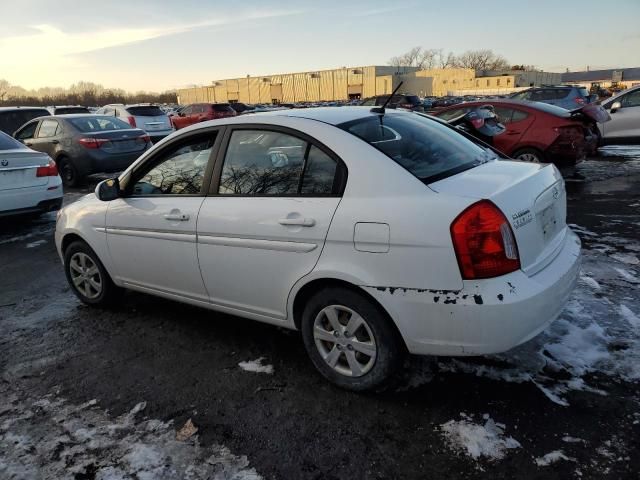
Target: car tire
[
  {"x": 68, "y": 172},
  {"x": 365, "y": 359},
  {"x": 530, "y": 155},
  {"x": 88, "y": 278}
]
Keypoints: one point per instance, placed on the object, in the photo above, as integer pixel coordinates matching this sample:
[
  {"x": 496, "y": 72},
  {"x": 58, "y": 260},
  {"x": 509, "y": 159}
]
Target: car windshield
[
  {"x": 99, "y": 124},
  {"x": 9, "y": 143},
  {"x": 145, "y": 111},
  {"x": 428, "y": 149},
  {"x": 68, "y": 110}
]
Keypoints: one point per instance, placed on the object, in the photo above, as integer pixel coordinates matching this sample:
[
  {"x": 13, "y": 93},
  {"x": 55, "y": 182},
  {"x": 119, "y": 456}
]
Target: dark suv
[
  {"x": 12, "y": 118},
  {"x": 407, "y": 102},
  {"x": 565, "y": 96}
]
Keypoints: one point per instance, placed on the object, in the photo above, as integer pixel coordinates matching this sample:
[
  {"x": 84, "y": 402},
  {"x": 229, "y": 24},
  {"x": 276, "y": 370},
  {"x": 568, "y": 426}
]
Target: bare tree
[
  {"x": 4, "y": 88},
  {"x": 482, "y": 60},
  {"x": 422, "y": 58}
]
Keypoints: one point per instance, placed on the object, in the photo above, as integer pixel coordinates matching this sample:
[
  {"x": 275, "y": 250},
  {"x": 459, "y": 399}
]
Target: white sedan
[
  {"x": 29, "y": 180},
  {"x": 374, "y": 233}
]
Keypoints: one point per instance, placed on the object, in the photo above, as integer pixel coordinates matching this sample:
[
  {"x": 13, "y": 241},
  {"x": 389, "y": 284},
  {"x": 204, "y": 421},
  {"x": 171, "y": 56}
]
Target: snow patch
[
  {"x": 590, "y": 281},
  {"x": 256, "y": 366},
  {"x": 630, "y": 317},
  {"x": 627, "y": 258},
  {"x": 478, "y": 440},
  {"x": 629, "y": 277},
  {"x": 36, "y": 243},
  {"x": 552, "y": 457},
  {"x": 83, "y": 441}
]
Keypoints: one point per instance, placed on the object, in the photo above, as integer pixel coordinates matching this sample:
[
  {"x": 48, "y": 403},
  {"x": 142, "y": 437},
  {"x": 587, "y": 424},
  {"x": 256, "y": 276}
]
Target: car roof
[
  {"x": 8, "y": 109},
  {"x": 330, "y": 115},
  {"x": 539, "y": 106}
]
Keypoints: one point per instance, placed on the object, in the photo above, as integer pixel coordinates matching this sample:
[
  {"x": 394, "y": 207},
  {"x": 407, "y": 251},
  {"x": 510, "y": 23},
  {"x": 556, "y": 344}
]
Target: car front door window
[
  {"x": 180, "y": 171},
  {"x": 631, "y": 99},
  {"x": 27, "y": 132}
]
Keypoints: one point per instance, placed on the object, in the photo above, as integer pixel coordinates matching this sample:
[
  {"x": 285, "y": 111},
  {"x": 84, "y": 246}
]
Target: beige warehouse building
[{"x": 344, "y": 84}]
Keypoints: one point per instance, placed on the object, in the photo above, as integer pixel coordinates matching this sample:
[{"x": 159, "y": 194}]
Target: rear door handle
[
  {"x": 28, "y": 144},
  {"x": 299, "y": 222},
  {"x": 176, "y": 217}
]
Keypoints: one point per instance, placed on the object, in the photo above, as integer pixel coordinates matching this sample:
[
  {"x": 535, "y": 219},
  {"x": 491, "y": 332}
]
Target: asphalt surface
[{"x": 291, "y": 424}]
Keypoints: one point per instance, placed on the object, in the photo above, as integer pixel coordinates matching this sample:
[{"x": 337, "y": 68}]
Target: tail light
[
  {"x": 132, "y": 121},
  {"x": 50, "y": 170},
  {"x": 579, "y": 100},
  {"x": 144, "y": 139},
  {"x": 92, "y": 143},
  {"x": 484, "y": 242},
  {"x": 406, "y": 105}
]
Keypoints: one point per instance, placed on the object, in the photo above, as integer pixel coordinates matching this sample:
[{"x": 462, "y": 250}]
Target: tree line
[
  {"x": 430, "y": 58},
  {"x": 81, "y": 93}
]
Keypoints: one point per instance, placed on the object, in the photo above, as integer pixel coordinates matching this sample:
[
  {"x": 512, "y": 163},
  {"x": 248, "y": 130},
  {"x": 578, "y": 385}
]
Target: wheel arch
[{"x": 306, "y": 290}]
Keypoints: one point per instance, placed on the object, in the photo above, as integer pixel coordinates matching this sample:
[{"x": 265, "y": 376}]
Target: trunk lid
[
  {"x": 590, "y": 113},
  {"x": 121, "y": 141},
  {"x": 532, "y": 198},
  {"x": 18, "y": 168}
]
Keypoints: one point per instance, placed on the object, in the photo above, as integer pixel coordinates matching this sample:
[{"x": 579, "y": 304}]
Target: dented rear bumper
[{"x": 486, "y": 316}]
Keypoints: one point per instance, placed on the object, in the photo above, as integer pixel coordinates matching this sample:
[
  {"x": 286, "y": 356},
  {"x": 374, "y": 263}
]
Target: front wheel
[
  {"x": 350, "y": 340},
  {"x": 529, "y": 155},
  {"x": 87, "y": 276}
]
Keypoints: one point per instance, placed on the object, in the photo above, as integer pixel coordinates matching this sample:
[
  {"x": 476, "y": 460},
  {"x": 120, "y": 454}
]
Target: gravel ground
[{"x": 90, "y": 394}]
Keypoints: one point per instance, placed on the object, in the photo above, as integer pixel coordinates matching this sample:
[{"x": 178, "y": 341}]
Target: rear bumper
[
  {"x": 486, "y": 316},
  {"x": 32, "y": 203},
  {"x": 99, "y": 162}
]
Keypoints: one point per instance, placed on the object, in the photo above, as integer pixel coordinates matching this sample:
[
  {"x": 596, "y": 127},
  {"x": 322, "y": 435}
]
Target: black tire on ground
[
  {"x": 529, "y": 155},
  {"x": 68, "y": 172},
  {"x": 110, "y": 293},
  {"x": 390, "y": 348}
]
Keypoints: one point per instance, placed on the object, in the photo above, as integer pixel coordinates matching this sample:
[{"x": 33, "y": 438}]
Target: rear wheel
[
  {"x": 350, "y": 340},
  {"x": 68, "y": 172},
  {"x": 87, "y": 276},
  {"x": 529, "y": 155}
]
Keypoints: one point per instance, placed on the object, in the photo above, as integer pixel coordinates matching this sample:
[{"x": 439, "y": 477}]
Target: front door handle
[
  {"x": 28, "y": 144},
  {"x": 177, "y": 217},
  {"x": 298, "y": 222}
]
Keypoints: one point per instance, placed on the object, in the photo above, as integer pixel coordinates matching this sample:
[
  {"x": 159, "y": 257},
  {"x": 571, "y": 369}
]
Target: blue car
[{"x": 565, "y": 96}]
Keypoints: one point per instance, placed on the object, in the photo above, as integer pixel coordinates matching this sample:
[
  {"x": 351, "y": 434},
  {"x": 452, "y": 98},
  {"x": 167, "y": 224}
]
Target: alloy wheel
[
  {"x": 344, "y": 340},
  {"x": 85, "y": 275},
  {"x": 529, "y": 157}
]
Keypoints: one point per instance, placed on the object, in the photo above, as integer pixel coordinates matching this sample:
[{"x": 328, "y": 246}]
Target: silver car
[{"x": 624, "y": 126}]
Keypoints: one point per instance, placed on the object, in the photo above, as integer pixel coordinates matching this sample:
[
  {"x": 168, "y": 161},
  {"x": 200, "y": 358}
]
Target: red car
[
  {"x": 539, "y": 132},
  {"x": 200, "y": 112}
]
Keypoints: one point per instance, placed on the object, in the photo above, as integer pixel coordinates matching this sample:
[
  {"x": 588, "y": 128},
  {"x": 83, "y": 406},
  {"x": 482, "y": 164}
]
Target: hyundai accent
[{"x": 375, "y": 233}]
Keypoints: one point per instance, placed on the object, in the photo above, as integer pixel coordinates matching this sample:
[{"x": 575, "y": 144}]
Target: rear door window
[
  {"x": 222, "y": 108},
  {"x": 426, "y": 148},
  {"x": 264, "y": 162},
  {"x": 48, "y": 129},
  {"x": 145, "y": 111}
]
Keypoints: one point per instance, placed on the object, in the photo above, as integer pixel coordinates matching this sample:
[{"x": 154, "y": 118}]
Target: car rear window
[
  {"x": 222, "y": 107},
  {"x": 99, "y": 124},
  {"x": 428, "y": 149},
  {"x": 145, "y": 111},
  {"x": 12, "y": 120},
  {"x": 68, "y": 110},
  {"x": 9, "y": 143}
]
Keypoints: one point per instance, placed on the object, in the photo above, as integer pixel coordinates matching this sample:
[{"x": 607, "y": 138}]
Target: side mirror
[
  {"x": 108, "y": 190},
  {"x": 615, "y": 106}
]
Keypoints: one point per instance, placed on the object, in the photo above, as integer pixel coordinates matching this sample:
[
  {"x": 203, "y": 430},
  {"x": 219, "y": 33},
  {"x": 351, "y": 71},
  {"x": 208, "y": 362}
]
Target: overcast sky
[{"x": 158, "y": 44}]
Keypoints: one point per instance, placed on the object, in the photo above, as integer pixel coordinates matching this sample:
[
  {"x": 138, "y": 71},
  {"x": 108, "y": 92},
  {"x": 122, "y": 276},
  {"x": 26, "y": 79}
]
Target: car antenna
[{"x": 380, "y": 110}]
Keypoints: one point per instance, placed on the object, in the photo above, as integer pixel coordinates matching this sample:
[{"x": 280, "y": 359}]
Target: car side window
[
  {"x": 27, "y": 132},
  {"x": 450, "y": 114},
  {"x": 178, "y": 171},
  {"x": 519, "y": 115},
  {"x": 631, "y": 99},
  {"x": 48, "y": 129},
  {"x": 504, "y": 114},
  {"x": 319, "y": 172},
  {"x": 264, "y": 162},
  {"x": 186, "y": 111}
]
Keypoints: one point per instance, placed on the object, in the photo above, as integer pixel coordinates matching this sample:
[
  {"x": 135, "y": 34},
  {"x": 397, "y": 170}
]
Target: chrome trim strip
[
  {"x": 277, "y": 245},
  {"x": 25, "y": 167},
  {"x": 189, "y": 237}
]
